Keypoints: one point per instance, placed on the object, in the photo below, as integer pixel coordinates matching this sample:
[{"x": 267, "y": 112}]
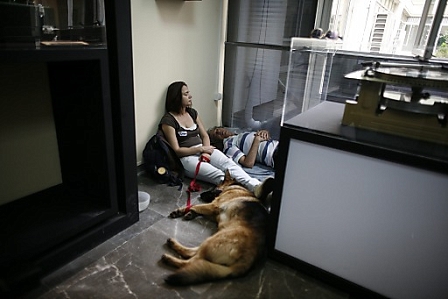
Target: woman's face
[
  {"x": 186, "y": 97},
  {"x": 220, "y": 133}
]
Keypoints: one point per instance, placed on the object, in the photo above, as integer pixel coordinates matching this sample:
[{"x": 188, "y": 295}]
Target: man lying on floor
[
  {"x": 245, "y": 148},
  {"x": 256, "y": 152}
]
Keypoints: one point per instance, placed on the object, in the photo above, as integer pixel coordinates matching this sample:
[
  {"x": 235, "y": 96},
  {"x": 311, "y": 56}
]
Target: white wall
[{"x": 175, "y": 40}]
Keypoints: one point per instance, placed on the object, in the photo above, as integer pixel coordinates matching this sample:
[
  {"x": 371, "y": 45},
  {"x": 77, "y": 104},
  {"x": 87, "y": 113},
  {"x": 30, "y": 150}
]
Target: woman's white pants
[{"x": 214, "y": 171}]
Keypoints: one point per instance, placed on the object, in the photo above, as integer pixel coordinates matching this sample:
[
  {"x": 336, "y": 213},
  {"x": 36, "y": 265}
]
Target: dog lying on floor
[{"x": 233, "y": 249}]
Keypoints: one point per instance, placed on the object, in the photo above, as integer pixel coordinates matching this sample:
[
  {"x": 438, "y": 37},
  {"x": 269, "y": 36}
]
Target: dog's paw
[
  {"x": 190, "y": 215},
  {"x": 170, "y": 242},
  {"x": 177, "y": 213},
  {"x": 165, "y": 258}
]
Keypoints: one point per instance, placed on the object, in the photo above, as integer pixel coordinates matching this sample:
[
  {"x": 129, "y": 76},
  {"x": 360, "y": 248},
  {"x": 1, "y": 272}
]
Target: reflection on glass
[{"x": 46, "y": 23}]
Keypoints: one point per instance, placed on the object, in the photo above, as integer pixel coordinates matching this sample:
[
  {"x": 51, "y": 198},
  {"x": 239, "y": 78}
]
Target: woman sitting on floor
[{"x": 185, "y": 132}]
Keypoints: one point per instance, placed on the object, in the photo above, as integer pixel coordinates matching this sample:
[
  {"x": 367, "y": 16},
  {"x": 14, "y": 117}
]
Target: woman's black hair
[{"x": 173, "y": 101}]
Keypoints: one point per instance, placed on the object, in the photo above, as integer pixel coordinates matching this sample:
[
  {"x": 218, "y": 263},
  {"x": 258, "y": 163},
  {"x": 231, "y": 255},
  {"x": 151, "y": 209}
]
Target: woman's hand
[{"x": 207, "y": 149}]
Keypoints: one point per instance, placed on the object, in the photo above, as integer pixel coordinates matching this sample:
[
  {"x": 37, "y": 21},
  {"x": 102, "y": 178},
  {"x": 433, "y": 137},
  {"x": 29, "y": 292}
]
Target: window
[
  {"x": 392, "y": 27},
  {"x": 256, "y": 59},
  {"x": 384, "y": 30}
]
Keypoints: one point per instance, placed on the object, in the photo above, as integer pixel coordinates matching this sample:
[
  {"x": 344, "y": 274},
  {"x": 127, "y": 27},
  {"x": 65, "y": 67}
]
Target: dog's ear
[
  {"x": 209, "y": 196},
  {"x": 228, "y": 181},
  {"x": 227, "y": 177}
]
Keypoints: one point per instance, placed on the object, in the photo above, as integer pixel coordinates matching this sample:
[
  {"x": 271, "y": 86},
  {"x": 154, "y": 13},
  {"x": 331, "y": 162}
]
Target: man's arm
[{"x": 249, "y": 159}]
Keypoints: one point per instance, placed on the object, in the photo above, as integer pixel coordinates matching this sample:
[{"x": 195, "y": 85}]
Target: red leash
[{"x": 193, "y": 187}]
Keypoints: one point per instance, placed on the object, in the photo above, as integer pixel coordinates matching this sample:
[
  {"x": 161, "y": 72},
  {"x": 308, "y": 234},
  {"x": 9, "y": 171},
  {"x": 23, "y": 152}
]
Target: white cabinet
[{"x": 364, "y": 211}]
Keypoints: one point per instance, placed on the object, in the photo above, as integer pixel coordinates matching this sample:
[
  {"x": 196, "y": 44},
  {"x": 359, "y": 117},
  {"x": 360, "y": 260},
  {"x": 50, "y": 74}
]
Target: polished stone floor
[{"x": 128, "y": 265}]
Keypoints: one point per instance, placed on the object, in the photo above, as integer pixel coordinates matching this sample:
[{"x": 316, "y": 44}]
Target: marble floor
[{"x": 128, "y": 265}]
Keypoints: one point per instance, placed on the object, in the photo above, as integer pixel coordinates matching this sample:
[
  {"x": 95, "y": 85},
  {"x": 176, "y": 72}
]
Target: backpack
[{"x": 161, "y": 162}]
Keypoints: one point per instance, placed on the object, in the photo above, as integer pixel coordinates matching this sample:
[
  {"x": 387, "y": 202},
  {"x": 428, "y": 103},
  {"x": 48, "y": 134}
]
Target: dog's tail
[{"x": 199, "y": 271}]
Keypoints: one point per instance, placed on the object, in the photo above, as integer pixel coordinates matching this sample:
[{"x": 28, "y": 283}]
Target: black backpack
[{"x": 161, "y": 162}]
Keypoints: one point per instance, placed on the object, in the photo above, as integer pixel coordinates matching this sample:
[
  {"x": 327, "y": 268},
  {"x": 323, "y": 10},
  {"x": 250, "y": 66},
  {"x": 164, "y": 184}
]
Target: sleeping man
[{"x": 245, "y": 148}]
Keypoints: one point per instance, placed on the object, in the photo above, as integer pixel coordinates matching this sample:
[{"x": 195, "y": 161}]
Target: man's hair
[{"x": 215, "y": 141}]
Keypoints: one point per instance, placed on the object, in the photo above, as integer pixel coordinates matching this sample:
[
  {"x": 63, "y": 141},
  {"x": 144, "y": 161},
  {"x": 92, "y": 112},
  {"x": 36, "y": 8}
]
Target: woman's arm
[
  {"x": 203, "y": 132},
  {"x": 170, "y": 135},
  {"x": 207, "y": 148}
]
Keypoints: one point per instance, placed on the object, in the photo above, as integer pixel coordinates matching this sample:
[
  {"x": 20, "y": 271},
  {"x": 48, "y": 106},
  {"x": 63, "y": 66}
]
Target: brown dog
[{"x": 233, "y": 249}]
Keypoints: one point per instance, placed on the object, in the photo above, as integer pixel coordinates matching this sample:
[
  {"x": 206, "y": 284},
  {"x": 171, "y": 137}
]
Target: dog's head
[{"x": 209, "y": 196}]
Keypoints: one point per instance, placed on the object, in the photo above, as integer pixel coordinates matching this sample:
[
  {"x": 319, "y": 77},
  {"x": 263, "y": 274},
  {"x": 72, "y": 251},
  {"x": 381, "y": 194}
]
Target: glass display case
[
  {"x": 309, "y": 70},
  {"x": 50, "y": 23},
  {"x": 358, "y": 202},
  {"x": 403, "y": 97}
]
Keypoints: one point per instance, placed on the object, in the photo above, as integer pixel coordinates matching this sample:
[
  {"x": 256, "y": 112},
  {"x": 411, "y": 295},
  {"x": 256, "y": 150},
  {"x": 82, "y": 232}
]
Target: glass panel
[
  {"x": 258, "y": 41},
  {"x": 50, "y": 23},
  {"x": 257, "y": 90},
  {"x": 308, "y": 78},
  {"x": 271, "y": 22}
]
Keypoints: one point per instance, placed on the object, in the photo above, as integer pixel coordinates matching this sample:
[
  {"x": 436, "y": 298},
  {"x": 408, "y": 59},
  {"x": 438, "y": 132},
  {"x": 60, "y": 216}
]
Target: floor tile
[{"x": 128, "y": 265}]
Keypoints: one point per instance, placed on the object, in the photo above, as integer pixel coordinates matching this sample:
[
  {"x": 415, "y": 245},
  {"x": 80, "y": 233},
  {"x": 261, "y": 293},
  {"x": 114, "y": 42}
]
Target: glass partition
[
  {"x": 398, "y": 96},
  {"x": 309, "y": 72}
]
